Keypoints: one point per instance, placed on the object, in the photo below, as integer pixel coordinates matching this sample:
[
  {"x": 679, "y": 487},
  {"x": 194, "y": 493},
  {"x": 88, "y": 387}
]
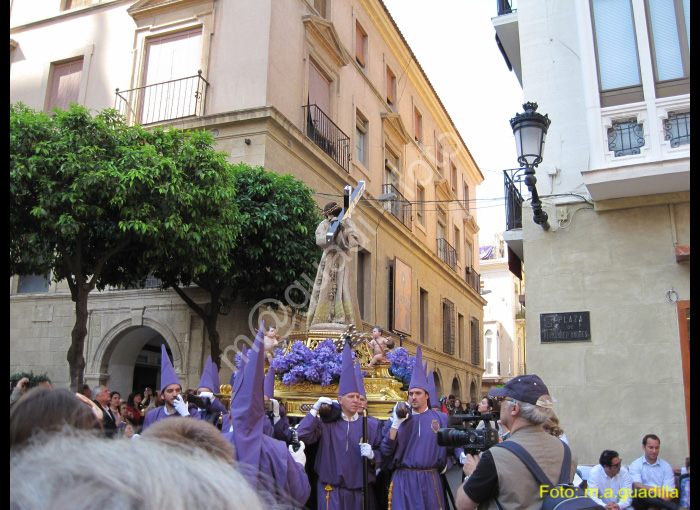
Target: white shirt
[
  {"x": 603, "y": 489},
  {"x": 658, "y": 474}
]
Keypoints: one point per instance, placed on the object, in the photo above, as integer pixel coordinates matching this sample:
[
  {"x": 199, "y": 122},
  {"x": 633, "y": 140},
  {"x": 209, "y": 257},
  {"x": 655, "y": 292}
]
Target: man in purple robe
[
  {"x": 271, "y": 467},
  {"x": 170, "y": 389},
  {"x": 341, "y": 447},
  {"x": 411, "y": 444},
  {"x": 277, "y": 424},
  {"x": 208, "y": 384}
]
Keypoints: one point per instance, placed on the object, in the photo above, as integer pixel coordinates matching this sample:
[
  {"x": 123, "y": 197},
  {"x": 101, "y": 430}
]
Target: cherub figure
[{"x": 379, "y": 345}]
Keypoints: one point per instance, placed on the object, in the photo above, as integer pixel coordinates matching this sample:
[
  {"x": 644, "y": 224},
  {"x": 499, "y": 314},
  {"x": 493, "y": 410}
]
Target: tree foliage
[
  {"x": 275, "y": 247},
  {"x": 92, "y": 199}
]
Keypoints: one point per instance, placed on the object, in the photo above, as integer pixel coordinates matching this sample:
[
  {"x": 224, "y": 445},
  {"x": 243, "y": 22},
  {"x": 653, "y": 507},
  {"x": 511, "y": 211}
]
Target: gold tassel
[
  {"x": 391, "y": 490},
  {"x": 329, "y": 488}
]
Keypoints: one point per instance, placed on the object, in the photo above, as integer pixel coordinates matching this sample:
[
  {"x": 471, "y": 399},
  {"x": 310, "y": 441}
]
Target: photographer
[
  {"x": 499, "y": 478},
  {"x": 210, "y": 408}
]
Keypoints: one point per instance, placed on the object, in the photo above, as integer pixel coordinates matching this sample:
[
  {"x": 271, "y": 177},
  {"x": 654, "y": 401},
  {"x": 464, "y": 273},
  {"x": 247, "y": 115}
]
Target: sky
[{"x": 454, "y": 42}]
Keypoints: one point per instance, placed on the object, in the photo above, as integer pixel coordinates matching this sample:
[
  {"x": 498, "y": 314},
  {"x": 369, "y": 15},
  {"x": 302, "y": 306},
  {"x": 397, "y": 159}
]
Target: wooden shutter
[
  {"x": 319, "y": 90},
  {"x": 65, "y": 84},
  {"x": 360, "y": 45}
]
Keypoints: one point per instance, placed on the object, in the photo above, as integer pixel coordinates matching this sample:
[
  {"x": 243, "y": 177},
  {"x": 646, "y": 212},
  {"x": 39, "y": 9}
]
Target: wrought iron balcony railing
[
  {"x": 327, "y": 135},
  {"x": 506, "y": 6},
  {"x": 169, "y": 100},
  {"x": 447, "y": 253},
  {"x": 473, "y": 279},
  {"x": 401, "y": 208},
  {"x": 514, "y": 198}
]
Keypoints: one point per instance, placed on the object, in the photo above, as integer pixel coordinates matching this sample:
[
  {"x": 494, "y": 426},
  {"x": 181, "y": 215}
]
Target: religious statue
[{"x": 334, "y": 301}]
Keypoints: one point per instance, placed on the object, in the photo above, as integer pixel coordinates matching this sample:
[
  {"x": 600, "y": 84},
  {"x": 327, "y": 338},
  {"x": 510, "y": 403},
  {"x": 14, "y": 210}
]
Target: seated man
[
  {"x": 609, "y": 484},
  {"x": 653, "y": 481}
]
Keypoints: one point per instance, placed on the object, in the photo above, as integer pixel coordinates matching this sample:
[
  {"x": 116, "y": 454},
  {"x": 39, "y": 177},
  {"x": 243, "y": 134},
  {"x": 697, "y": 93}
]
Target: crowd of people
[{"x": 175, "y": 449}]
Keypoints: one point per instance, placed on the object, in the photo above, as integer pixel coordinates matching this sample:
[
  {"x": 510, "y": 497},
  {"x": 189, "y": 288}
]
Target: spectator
[
  {"x": 191, "y": 433},
  {"x": 499, "y": 475},
  {"x": 685, "y": 485},
  {"x": 133, "y": 408},
  {"x": 553, "y": 429},
  {"x": 87, "y": 391},
  {"x": 86, "y": 473},
  {"x": 459, "y": 409},
  {"x": 102, "y": 399},
  {"x": 653, "y": 480},
  {"x": 147, "y": 397},
  {"x": 18, "y": 388},
  {"x": 129, "y": 432},
  {"x": 451, "y": 405},
  {"x": 45, "y": 409},
  {"x": 156, "y": 400},
  {"x": 114, "y": 401},
  {"x": 609, "y": 483}
]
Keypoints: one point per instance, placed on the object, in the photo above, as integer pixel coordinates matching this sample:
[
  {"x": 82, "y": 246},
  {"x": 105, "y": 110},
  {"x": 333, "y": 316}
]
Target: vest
[{"x": 517, "y": 488}]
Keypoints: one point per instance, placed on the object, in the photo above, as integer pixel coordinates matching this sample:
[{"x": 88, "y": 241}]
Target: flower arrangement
[
  {"x": 401, "y": 366},
  {"x": 320, "y": 366}
]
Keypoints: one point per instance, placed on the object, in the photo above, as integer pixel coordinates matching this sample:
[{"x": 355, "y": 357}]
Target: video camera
[{"x": 461, "y": 432}]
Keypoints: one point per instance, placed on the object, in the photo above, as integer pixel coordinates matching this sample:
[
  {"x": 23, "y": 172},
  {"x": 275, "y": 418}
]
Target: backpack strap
[
  {"x": 565, "y": 475},
  {"x": 527, "y": 459}
]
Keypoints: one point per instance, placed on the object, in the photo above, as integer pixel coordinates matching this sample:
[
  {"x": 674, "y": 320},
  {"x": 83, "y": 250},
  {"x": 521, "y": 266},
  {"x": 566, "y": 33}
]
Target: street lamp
[{"x": 530, "y": 129}]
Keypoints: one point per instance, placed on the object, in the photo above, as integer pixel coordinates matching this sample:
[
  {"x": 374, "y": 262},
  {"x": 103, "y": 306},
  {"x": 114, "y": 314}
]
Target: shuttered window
[{"x": 65, "y": 84}]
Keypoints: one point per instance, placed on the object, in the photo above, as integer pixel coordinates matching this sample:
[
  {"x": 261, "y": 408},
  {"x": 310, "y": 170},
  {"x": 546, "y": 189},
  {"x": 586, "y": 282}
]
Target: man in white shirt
[
  {"x": 609, "y": 484},
  {"x": 653, "y": 480}
]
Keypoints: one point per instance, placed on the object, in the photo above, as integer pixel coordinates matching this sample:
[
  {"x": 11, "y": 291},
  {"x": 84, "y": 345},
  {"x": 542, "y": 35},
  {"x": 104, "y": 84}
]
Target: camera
[
  {"x": 200, "y": 402},
  {"x": 461, "y": 432}
]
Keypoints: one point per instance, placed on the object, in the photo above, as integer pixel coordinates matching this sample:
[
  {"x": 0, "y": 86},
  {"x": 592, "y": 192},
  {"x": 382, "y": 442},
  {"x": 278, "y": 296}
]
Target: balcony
[
  {"x": 508, "y": 35},
  {"x": 160, "y": 102},
  {"x": 506, "y": 6},
  {"x": 514, "y": 198},
  {"x": 401, "y": 208},
  {"x": 327, "y": 136},
  {"x": 447, "y": 253},
  {"x": 473, "y": 279}
]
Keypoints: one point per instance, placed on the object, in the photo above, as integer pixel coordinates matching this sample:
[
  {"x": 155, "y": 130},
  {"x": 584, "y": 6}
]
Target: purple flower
[{"x": 320, "y": 366}]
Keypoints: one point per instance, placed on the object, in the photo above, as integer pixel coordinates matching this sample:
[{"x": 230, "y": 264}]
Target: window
[
  {"x": 616, "y": 48},
  {"x": 448, "y": 327},
  {"x": 361, "y": 139},
  {"x": 417, "y": 126},
  {"x": 453, "y": 175},
  {"x": 439, "y": 156},
  {"x": 390, "y": 87},
  {"x": 65, "y": 84},
  {"x": 320, "y": 6},
  {"x": 677, "y": 128},
  {"x": 390, "y": 298},
  {"x": 465, "y": 196},
  {"x": 625, "y": 137},
  {"x": 468, "y": 254},
  {"x": 668, "y": 23},
  {"x": 420, "y": 205},
  {"x": 319, "y": 89},
  {"x": 74, "y": 4},
  {"x": 476, "y": 354},
  {"x": 457, "y": 242},
  {"x": 360, "y": 45},
  {"x": 364, "y": 281},
  {"x": 171, "y": 78},
  {"x": 460, "y": 335},
  {"x": 423, "y": 316},
  {"x": 33, "y": 283}
]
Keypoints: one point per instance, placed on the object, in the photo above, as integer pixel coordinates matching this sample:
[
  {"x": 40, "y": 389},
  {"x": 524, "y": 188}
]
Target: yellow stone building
[{"x": 326, "y": 90}]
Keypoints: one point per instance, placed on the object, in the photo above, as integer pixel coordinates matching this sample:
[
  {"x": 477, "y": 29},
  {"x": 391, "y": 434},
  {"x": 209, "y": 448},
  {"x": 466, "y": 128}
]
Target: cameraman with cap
[{"x": 499, "y": 479}]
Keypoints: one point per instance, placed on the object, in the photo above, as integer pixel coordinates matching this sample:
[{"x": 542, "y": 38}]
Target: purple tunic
[
  {"x": 278, "y": 472},
  {"x": 212, "y": 414},
  {"x": 338, "y": 460},
  {"x": 418, "y": 461},
  {"x": 159, "y": 413}
]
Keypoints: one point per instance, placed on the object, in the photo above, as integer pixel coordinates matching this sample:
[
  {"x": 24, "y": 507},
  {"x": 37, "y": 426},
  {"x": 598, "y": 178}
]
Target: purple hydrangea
[
  {"x": 320, "y": 366},
  {"x": 401, "y": 365}
]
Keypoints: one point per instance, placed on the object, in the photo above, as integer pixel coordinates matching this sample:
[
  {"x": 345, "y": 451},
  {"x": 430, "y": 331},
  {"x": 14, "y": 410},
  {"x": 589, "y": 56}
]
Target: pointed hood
[
  {"x": 247, "y": 406},
  {"x": 360, "y": 380},
  {"x": 348, "y": 383},
  {"x": 418, "y": 378},
  {"x": 210, "y": 377},
  {"x": 167, "y": 372},
  {"x": 269, "y": 387}
]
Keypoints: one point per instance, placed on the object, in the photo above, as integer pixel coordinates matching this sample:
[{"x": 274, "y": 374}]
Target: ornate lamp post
[{"x": 530, "y": 129}]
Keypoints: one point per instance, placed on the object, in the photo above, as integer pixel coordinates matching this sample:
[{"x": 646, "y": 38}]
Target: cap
[{"x": 526, "y": 388}]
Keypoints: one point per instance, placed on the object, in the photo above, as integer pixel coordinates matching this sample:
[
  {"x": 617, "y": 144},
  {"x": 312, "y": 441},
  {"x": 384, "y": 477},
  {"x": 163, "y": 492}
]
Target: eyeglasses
[{"x": 617, "y": 465}]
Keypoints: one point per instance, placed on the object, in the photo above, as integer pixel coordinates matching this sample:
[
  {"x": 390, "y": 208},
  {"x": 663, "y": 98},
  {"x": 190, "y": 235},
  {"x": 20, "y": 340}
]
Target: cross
[{"x": 349, "y": 203}]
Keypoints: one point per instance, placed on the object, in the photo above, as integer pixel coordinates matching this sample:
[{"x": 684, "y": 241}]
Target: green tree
[
  {"x": 275, "y": 247},
  {"x": 91, "y": 199}
]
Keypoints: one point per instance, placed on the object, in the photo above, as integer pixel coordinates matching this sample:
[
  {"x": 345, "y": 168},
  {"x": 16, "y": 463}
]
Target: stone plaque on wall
[{"x": 565, "y": 327}]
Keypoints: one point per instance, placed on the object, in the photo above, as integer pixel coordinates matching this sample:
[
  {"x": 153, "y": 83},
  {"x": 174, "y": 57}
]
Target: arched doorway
[
  {"x": 132, "y": 359},
  {"x": 473, "y": 392},
  {"x": 456, "y": 389},
  {"x": 438, "y": 384}
]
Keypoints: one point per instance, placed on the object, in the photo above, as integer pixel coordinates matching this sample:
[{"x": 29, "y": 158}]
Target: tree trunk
[
  {"x": 75, "y": 357},
  {"x": 214, "y": 338}
]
